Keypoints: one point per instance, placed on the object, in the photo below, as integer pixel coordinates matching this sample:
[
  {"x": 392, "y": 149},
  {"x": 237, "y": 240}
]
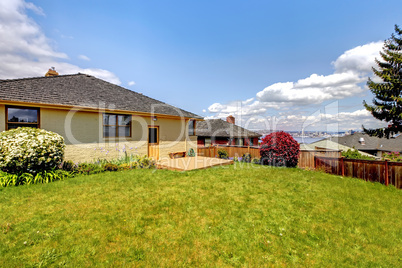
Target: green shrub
[
  {"x": 145, "y": 162},
  {"x": 256, "y": 161},
  {"x": 355, "y": 154},
  {"x": 222, "y": 153},
  {"x": 68, "y": 166},
  {"x": 110, "y": 167},
  {"x": 88, "y": 168},
  {"x": 9, "y": 179},
  {"x": 393, "y": 156},
  {"x": 124, "y": 166},
  {"x": 30, "y": 150},
  {"x": 246, "y": 158}
]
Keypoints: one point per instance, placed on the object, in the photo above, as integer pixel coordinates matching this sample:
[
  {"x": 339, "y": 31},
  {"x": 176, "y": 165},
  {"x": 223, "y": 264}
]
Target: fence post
[
  {"x": 315, "y": 161},
  {"x": 342, "y": 167},
  {"x": 386, "y": 173}
]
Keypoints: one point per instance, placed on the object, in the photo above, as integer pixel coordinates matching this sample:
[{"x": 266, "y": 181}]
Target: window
[
  {"x": 153, "y": 135},
  {"x": 116, "y": 125},
  {"x": 191, "y": 127},
  {"x": 207, "y": 142},
  {"x": 250, "y": 141},
  {"x": 240, "y": 141},
  {"x": 21, "y": 117}
]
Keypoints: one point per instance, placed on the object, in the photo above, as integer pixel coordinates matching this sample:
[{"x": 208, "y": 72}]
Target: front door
[{"x": 153, "y": 142}]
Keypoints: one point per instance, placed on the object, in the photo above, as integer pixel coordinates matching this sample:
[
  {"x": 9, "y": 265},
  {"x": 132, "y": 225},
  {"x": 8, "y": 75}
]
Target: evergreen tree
[{"x": 387, "y": 103}]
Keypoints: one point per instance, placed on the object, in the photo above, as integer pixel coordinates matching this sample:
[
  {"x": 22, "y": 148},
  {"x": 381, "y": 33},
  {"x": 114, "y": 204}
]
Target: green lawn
[{"x": 217, "y": 217}]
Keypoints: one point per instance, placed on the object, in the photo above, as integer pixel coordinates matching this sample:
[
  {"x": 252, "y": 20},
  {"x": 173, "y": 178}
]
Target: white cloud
[
  {"x": 25, "y": 51},
  {"x": 351, "y": 69},
  {"x": 314, "y": 89},
  {"x": 131, "y": 83},
  {"x": 83, "y": 57},
  {"x": 34, "y": 8},
  {"x": 323, "y": 121},
  {"x": 359, "y": 59}
]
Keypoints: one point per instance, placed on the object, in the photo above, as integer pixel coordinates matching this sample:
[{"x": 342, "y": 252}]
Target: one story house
[
  {"x": 371, "y": 145},
  {"x": 220, "y": 132},
  {"x": 97, "y": 119}
]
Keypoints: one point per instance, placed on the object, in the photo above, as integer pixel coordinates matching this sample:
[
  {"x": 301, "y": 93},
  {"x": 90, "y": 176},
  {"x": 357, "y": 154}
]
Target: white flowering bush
[{"x": 30, "y": 150}]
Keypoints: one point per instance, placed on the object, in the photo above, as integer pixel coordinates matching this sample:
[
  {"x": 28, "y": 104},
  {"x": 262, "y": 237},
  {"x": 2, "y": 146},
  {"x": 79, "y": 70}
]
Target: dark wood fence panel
[
  {"x": 395, "y": 174},
  {"x": 384, "y": 172},
  {"x": 306, "y": 158},
  {"x": 233, "y": 151}
]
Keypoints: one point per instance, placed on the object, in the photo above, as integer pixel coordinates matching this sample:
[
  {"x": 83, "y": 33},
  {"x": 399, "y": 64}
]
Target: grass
[{"x": 216, "y": 217}]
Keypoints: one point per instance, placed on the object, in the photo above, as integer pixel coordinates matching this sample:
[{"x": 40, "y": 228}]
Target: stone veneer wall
[{"x": 94, "y": 151}]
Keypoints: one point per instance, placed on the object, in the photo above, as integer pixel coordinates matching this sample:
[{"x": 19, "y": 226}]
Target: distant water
[{"x": 306, "y": 140}]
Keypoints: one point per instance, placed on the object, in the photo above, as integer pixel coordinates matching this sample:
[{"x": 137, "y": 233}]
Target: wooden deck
[{"x": 191, "y": 163}]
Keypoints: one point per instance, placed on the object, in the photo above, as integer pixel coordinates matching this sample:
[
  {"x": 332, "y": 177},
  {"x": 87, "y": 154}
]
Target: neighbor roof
[
  {"x": 85, "y": 91},
  {"x": 329, "y": 145},
  {"x": 221, "y": 128},
  {"x": 370, "y": 143}
]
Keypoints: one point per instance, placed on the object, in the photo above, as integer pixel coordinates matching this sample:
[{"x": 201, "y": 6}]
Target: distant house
[
  {"x": 96, "y": 118},
  {"x": 220, "y": 132},
  {"x": 363, "y": 142},
  {"x": 326, "y": 144}
]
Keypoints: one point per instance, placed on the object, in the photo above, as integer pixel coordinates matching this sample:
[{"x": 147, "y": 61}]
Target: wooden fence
[
  {"x": 307, "y": 157},
  {"x": 233, "y": 151},
  {"x": 329, "y": 161},
  {"x": 384, "y": 172}
]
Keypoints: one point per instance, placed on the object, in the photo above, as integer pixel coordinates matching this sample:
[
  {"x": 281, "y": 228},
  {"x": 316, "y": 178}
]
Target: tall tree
[{"x": 387, "y": 103}]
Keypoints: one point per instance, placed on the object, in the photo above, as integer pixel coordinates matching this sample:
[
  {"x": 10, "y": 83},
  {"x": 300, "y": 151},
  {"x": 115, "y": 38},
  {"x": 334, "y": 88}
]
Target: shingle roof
[
  {"x": 330, "y": 145},
  {"x": 221, "y": 128},
  {"x": 370, "y": 143},
  {"x": 85, "y": 91}
]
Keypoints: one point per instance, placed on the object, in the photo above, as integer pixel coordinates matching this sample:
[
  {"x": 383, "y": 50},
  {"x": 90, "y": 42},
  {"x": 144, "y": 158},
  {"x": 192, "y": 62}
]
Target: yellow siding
[
  {"x": 75, "y": 127},
  {"x": 83, "y": 134},
  {"x": 2, "y": 118}
]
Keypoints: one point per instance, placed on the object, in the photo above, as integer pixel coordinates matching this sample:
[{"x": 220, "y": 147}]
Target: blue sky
[{"x": 284, "y": 64}]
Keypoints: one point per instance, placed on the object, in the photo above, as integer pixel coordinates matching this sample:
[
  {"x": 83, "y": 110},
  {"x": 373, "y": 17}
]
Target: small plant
[
  {"x": 191, "y": 152},
  {"x": 110, "y": 167},
  {"x": 246, "y": 158},
  {"x": 68, "y": 166},
  {"x": 223, "y": 154},
  {"x": 124, "y": 166},
  {"x": 88, "y": 168},
  {"x": 8, "y": 179},
  {"x": 256, "y": 161}
]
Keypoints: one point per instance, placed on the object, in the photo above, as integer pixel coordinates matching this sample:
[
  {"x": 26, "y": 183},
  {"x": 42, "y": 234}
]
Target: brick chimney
[
  {"x": 52, "y": 72},
  {"x": 230, "y": 119}
]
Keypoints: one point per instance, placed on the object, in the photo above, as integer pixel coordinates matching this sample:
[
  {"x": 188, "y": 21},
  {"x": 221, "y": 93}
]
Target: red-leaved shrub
[{"x": 279, "y": 149}]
